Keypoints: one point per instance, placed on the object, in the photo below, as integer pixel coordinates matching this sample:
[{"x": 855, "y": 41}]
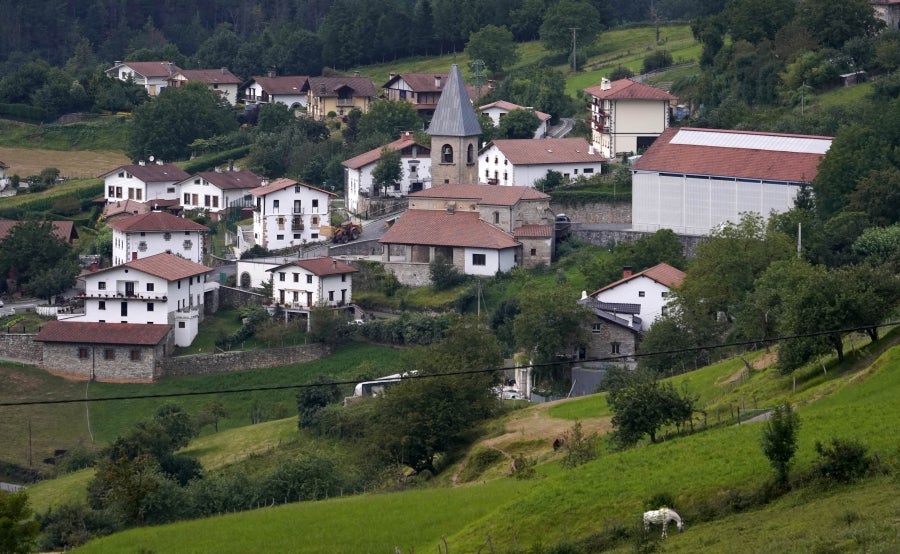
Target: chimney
[
  {"x": 391, "y": 75},
  {"x": 626, "y": 271},
  {"x": 271, "y": 72},
  {"x": 591, "y": 149},
  {"x": 223, "y": 71},
  {"x": 583, "y": 294},
  {"x": 93, "y": 267},
  {"x": 356, "y": 73},
  {"x": 605, "y": 84},
  {"x": 437, "y": 81},
  {"x": 230, "y": 165},
  {"x": 170, "y": 68},
  {"x": 334, "y": 264},
  {"x": 141, "y": 163}
]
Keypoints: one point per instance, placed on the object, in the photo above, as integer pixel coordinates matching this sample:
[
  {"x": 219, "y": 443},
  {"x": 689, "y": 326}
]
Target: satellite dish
[{"x": 152, "y": 158}]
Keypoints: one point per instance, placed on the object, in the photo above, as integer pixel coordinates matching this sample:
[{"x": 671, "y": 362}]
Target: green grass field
[{"x": 700, "y": 470}]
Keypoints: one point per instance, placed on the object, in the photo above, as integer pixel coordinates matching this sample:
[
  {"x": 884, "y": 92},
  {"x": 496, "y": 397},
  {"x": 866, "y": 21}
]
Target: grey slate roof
[{"x": 454, "y": 116}]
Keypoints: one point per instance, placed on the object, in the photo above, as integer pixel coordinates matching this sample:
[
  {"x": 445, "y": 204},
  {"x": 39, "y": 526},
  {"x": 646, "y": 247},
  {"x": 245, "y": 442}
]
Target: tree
[
  {"x": 834, "y": 23},
  {"x": 877, "y": 194},
  {"x": 880, "y": 246},
  {"x": 541, "y": 88},
  {"x": 18, "y": 530},
  {"x": 390, "y": 118},
  {"x": 443, "y": 274},
  {"x": 556, "y": 29},
  {"x": 518, "y": 124},
  {"x": 745, "y": 23},
  {"x": 274, "y": 117},
  {"x": 550, "y": 322},
  {"x": 388, "y": 171},
  {"x": 210, "y": 414},
  {"x": 779, "y": 439},
  {"x": 328, "y": 325},
  {"x": 550, "y": 181},
  {"x": 177, "y": 424},
  {"x": 494, "y": 46},
  {"x": 643, "y": 407},
  {"x": 165, "y": 127},
  {"x": 43, "y": 263},
  {"x": 312, "y": 399}
]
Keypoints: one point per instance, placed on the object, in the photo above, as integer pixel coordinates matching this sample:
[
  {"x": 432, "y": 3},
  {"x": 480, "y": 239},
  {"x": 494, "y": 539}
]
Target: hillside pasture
[{"x": 71, "y": 164}]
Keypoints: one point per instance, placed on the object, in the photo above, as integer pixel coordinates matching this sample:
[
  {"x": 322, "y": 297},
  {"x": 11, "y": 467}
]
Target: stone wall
[
  {"x": 605, "y": 237},
  {"x": 204, "y": 364},
  {"x": 231, "y": 297},
  {"x": 20, "y": 347},
  {"x": 103, "y": 362},
  {"x": 411, "y": 274},
  {"x": 596, "y": 214},
  {"x": 358, "y": 247}
]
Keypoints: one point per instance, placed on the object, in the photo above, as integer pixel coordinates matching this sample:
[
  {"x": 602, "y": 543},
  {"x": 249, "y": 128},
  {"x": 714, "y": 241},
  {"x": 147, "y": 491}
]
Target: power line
[{"x": 754, "y": 342}]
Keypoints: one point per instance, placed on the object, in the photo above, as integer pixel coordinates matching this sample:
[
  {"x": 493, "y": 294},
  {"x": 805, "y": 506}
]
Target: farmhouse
[
  {"x": 497, "y": 110},
  {"x": 627, "y": 116},
  {"x": 143, "y": 182},
  {"x": 422, "y": 90},
  {"x": 524, "y": 161},
  {"x": 63, "y": 230},
  {"x": 153, "y": 76},
  {"x": 415, "y": 160},
  {"x": 647, "y": 290},
  {"x": 151, "y": 233},
  {"x": 215, "y": 192},
  {"x": 338, "y": 95},
  {"x": 289, "y": 90},
  {"x": 221, "y": 81},
  {"x": 288, "y": 213},
  {"x": 300, "y": 285},
  {"x": 691, "y": 180}
]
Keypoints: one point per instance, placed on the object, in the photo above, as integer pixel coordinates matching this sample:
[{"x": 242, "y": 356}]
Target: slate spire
[{"x": 454, "y": 115}]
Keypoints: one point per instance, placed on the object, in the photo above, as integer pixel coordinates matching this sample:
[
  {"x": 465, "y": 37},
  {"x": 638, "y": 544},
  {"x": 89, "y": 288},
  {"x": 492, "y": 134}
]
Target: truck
[{"x": 345, "y": 232}]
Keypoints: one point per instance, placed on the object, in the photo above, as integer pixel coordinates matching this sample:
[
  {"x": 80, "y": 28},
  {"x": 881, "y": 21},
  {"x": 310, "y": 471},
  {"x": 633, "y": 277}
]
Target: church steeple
[{"x": 454, "y": 134}]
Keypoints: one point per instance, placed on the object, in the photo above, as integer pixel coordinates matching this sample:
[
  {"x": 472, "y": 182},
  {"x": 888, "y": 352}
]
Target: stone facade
[
  {"x": 106, "y": 362},
  {"x": 601, "y": 341},
  {"x": 605, "y": 237},
  {"x": 596, "y": 214},
  {"x": 20, "y": 347}
]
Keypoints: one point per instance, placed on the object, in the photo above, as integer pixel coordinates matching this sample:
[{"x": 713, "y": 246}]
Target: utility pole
[
  {"x": 574, "y": 57},
  {"x": 478, "y": 75}
]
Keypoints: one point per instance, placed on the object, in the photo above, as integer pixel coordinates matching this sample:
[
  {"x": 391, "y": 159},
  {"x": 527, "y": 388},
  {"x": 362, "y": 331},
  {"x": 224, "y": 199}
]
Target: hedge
[{"x": 209, "y": 162}]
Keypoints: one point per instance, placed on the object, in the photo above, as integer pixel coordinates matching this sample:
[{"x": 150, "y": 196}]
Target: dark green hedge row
[
  {"x": 23, "y": 112},
  {"x": 588, "y": 197},
  {"x": 209, "y": 162},
  {"x": 84, "y": 195}
]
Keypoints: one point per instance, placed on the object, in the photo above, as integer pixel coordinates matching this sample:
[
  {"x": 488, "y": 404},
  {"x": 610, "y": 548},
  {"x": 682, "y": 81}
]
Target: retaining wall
[
  {"x": 224, "y": 362},
  {"x": 20, "y": 347}
]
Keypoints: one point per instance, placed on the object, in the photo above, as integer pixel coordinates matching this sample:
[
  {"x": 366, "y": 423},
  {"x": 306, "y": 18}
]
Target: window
[
  {"x": 665, "y": 294},
  {"x": 101, "y": 285},
  {"x": 181, "y": 325},
  {"x": 331, "y": 296},
  {"x": 343, "y": 277},
  {"x": 446, "y": 154},
  {"x": 135, "y": 355},
  {"x": 111, "y": 192},
  {"x": 167, "y": 236},
  {"x": 298, "y": 235},
  {"x": 150, "y": 287},
  {"x": 614, "y": 347},
  {"x": 275, "y": 204},
  {"x": 187, "y": 244},
  {"x": 496, "y": 218},
  {"x": 479, "y": 259},
  {"x": 309, "y": 279},
  {"x": 109, "y": 354},
  {"x": 207, "y": 200},
  {"x": 315, "y": 203},
  {"x": 315, "y": 220},
  {"x": 82, "y": 353},
  {"x": 576, "y": 171},
  {"x": 296, "y": 277},
  {"x": 187, "y": 198},
  {"x": 150, "y": 306},
  {"x": 281, "y": 276},
  {"x": 142, "y": 246},
  {"x": 641, "y": 293},
  {"x": 314, "y": 236},
  {"x": 279, "y": 237},
  {"x": 534, "y": 251},
  {"x": 101, "y": 305},
  {"x": 596, "y": 327},
  {"x": 588, "y": 170},
  {"x": 470, "y": 154},
  {"x": 215, "y": 200}
]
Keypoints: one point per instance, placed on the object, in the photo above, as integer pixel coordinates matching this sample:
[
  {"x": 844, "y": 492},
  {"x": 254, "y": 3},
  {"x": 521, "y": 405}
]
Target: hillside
[{"x": 715, "y": 478}]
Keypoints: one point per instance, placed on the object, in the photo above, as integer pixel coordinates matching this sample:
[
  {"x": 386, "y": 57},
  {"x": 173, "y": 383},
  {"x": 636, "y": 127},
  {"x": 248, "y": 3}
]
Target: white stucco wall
[
  {"x": 492, "y": 162},
  {"x": 652, "y": 297},
  {"x": 128, "y": 246},
  {"x": 272, "y": 225}
]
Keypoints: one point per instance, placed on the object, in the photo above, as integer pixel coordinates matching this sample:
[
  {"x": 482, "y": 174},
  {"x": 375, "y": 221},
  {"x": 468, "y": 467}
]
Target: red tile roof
[
  {"x": 211, "y": 76},
  {"x": 156, "y": 221},
  {"x": 62, "y": 230},
  {"x": 324, "y": 87},
  {"x": 425, "y": 82},
  {"x": 164, "y": 265},
  {"x": 124, "y": 208},
  {"x": 232, "y": 180},
  {"x": 321, "y": 266},
  {"x": 546, "y": 151},
  {"x": 534, "y": 231},
  {"x": 663, "y": 274},
  {"x": 103, "y": 333},
  {"x": 153, "y": 69},
  {"x": 281, "y": 184},
  {"x": 509, "y": 106},
  {"x": 152, "y": 172},
  {"x": 374, "y": 155},
  {"x": 490, "y": 195},
  {"x": 626, "y": 89},
  {"x": 440, "y": 228},
  {"x": 738, "y": 154},
  {"x": 286, "y": 84}
]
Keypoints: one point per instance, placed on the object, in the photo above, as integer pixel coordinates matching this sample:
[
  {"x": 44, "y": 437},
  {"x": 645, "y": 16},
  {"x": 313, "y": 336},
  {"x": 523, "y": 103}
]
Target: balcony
[
  {"x": 113, "y": 295},
  {"x": 297, "y": 224},
  {"x": 345, "y": 102}
]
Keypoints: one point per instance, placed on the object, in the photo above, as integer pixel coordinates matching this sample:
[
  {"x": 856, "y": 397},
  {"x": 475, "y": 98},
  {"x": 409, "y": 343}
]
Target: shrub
[
  {"x": 444, "y": 274},
  {"x": 843, "y": 460},
  {"x": 523, "y": 468},
  {"x": 657, "y": 60},
  {"x": 621, "y": 72},
  {"x": 479, "y": 462},
  {"x": 578, "y": 448}
]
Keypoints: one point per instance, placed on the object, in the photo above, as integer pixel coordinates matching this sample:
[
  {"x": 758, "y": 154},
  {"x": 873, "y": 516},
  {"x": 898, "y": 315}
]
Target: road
[{"x": 562, "y": 128}]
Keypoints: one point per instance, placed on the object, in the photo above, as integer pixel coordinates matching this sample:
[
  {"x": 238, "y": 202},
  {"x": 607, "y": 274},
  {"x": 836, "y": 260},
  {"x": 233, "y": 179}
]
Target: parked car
[{"x": 562, "y": 226}]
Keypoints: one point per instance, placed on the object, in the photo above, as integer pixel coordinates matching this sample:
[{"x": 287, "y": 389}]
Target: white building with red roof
[
  {"x": 302, "y": 284},
  {"x": 143, "y": 182},
  {"x": 151, "y": 233},
  {"x": 153, "y": 76},
  {"x": 288, "y": 213},
  {"x": 221, "y": 81},
  {"x": 692, "y": 180},
  {"x": 163, "y": 289},
  {"x": 522, "y": 162},
  {"x": 422, "y": 90},
  {"x": 480, "y": 229},
  {"x": 289, "y": 90},
  {"x": 627, "y": 116},
  {"x": 216, "y": 191},
  {"x": 497, "y": 110},
  {"x": 415, "y": 160},
  {"x": 642, "y": 297}
]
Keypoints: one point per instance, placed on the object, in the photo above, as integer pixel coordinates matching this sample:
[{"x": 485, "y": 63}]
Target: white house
[
  {"x": 148, "y": 234},
  {"x": 216, "y": 191},
  {"x": 143, "y": 182},
  {"x": 692, "y": 180},
  {"x": 640, "y": 298},
  {"x": 153, "y": 76},
  {"x": 221, "y": 81},
  {"x": 305, "y": 283},
  {"x": 497, "y": 110},
  {"x": 288, "y": 213},
  {"x": 415, "y": 159},
  {"x": 163, "y": 289},
  {"x": 523, "y": 161},
  {"x": 627, "y": 116},
  {"x": 4, "y": 180},
  {"x": 289, "y": 90}
]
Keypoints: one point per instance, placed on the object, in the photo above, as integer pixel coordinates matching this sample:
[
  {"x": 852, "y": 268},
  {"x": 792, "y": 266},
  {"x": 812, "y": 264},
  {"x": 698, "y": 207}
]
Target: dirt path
[{"x": 73, "y": 164}]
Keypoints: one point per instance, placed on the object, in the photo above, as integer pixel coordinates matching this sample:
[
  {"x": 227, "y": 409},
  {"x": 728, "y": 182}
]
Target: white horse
[{"x": 663, "y": 516}]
